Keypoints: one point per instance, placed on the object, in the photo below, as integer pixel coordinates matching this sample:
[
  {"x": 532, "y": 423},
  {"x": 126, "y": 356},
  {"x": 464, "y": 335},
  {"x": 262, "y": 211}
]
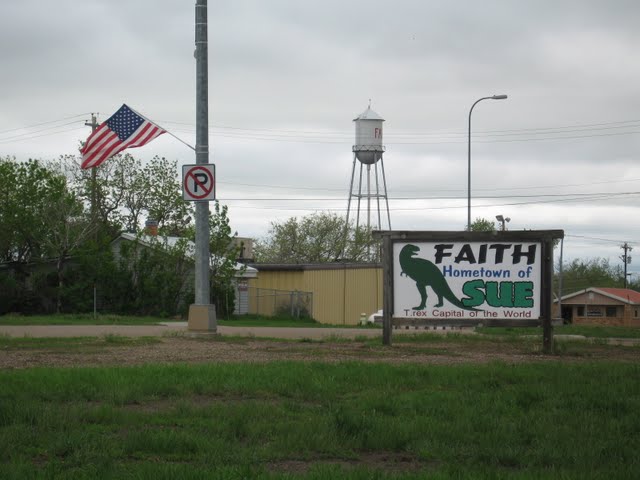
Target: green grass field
[
  {"x": 262, "y": 321},
  {"x": 287, "y": 322},
  {"x": 77, "y": 344},
  {"x": 589, "y": 331},
  {"x": 315, "y": 421},
  {"x": 235, "y": 321},
  {"x": 79, "y": 319}
]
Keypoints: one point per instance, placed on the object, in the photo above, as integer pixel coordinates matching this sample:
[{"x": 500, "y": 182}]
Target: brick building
[{"x": 601, "y": 306}]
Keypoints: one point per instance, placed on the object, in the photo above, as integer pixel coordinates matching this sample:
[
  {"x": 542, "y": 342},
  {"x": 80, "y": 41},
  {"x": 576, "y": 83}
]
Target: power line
[
  {"x": 570, "y": 137},
  {"x": 600, "y": 197},
  {"x": 51, "y": 129},
  {"x": 43, "y": 123},
  {"x": 562, "y": 185},
  {"x": 448, "y": 207},
  {"x": 3, "y": 141},
  {"x": 29, "y": 134},
  {"x": 273, "y": 138},
  {"x": 329, "y": 137},
  {"x": 595, "y": 238},
  {"x": 578, "y": 127},
  {"x": 320, "y": 199},
  {"x": 492, "y": 189},
  {"x": 320, "y": 137}
]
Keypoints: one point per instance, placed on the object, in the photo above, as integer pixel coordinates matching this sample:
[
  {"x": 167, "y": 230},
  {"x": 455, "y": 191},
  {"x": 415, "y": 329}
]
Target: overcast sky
[{"x": 287, "y": 77}]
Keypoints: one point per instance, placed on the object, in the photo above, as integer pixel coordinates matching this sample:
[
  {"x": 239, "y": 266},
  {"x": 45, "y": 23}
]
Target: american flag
[{"x": 124, "y": 129}]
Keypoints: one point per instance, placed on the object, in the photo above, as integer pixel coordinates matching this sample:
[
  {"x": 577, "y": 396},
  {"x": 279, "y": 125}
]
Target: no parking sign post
[{"x": 199, "y": 182}]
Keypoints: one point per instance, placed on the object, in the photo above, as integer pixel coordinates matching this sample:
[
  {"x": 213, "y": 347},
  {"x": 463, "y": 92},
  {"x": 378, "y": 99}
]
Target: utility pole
[
  {"x": 94, "y": 207},
  {"x": 202, "y": 314},
  {"x": 626, "y": 259}
]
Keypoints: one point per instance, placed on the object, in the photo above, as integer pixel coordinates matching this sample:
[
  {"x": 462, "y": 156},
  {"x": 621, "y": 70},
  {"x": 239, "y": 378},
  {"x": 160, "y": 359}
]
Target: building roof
[
  {"x": 368, "y": 114},
  {"x": 625, "y": 295},
  {"x": 630, "y": 296},
  {"x": 146, "y": 240},
  {"x": 299, "y": 267}
]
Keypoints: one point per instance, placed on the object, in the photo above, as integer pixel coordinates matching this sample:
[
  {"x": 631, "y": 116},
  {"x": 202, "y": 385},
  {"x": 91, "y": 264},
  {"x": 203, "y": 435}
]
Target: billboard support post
[
  {"x": 466, "y": 279},
  {"x": 547, "y": 296},
  {"x": 387, "y": 294}
]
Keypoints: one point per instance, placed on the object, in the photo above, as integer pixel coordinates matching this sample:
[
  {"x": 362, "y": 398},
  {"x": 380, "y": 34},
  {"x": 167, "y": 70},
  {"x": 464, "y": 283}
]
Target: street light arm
[
  {"x": 492, "y": 97},
  {"x": 475, "y": 103},
  {"x": 469, "y": 164}
]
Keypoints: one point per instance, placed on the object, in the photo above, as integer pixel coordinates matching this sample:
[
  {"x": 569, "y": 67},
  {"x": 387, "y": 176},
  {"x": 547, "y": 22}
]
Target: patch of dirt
[{"x": 195, "y": 350}]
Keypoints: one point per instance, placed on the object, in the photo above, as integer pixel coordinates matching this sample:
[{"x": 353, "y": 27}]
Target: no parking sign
[{"x": 199, "y": 182}]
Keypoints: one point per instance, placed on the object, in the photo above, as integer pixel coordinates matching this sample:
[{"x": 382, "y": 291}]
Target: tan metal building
[{"x": 341, "y": 292}]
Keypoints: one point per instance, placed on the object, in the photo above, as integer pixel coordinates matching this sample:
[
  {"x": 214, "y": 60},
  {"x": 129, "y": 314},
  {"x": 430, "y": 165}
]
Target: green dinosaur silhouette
[{"x": 425, "y": 273}]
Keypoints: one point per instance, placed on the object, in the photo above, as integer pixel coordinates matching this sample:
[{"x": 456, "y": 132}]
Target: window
[
  {"x": 636, "y": 313},
  {"x": 612, "y": 312},
  {"x": 581, "y": 311}
]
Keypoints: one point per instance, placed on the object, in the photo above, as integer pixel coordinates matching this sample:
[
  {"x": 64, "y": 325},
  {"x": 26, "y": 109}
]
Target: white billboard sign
[{"x": 455, "y": 280}]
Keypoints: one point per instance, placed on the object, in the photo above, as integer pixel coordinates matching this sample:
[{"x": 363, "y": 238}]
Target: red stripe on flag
[
  {"x": 139, "y": 135},
  {"x": 107, "y": 152},
  {"x": 104, "y": 152},
  {"x": 99, "y": 148},
  {"x": 95, "y": 137},
  {"x": 105, "y": 140},
  {"x": 150, "y": 135}
]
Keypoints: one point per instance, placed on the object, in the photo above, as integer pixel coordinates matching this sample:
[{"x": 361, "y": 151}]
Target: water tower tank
[
  {"x": 371, "y": 186},
  {"x": 368, "y": 147}
]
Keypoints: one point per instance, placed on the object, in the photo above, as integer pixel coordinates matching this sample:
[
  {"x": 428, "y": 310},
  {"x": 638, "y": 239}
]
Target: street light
[
  {"x": 493, "y": 97},
  {"x": 502, "y": 221}
]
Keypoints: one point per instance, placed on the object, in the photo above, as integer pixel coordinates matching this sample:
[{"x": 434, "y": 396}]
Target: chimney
[
  {"x": 151, "y": 227},
  {"x": 245, "y": 246}
]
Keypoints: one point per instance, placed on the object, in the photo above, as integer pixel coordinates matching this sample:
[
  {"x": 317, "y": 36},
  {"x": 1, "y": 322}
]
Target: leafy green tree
[
  {"x": 315, "y": 238},
  {"x": 584, "y": 273},
  {"x": 158, "y": 277},
  {"x": 165, "y": 203},
  {"x": 223, "y": 263},
  {"x": 93, "y": 264},
  {"x": 68, "y": 227},
  {"x": 127, "y": 192},
  {"x": 27, "y": 191},
  {"x": 483, "y": 225},
  {"x": 43, "y": 221},
  {"x": 45, "y": 214}
]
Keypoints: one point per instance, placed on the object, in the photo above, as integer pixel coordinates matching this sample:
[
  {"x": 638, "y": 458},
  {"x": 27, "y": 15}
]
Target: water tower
[{"x": 368, "y": 151}]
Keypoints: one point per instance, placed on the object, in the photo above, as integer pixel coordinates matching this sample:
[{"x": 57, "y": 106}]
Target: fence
[
  {"x": 270, "y": 302},
  {"x": 103, "y": 302}
]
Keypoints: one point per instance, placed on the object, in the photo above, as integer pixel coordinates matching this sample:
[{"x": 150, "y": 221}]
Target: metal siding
[
  {"x": 328, "y": 297},
  {"x": 277, "y": 280},
  {"x": 363, "y": 292},
  {"x": 335, "y": 304}
]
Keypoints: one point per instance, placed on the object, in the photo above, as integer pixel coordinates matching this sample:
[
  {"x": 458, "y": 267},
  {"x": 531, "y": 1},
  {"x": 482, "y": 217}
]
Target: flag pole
[{"x": 156, "y": 123}]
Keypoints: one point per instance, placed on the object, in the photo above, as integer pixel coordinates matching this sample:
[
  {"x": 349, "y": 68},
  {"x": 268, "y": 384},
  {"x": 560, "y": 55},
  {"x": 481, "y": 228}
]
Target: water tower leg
[
  {"x": 375, "y": 166},
  {"x": 368, "y": 197},
  {"x": 346, "y": 224},
  {"x": 359, "y": 199},
  {"x": 384, "y": 184}
]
